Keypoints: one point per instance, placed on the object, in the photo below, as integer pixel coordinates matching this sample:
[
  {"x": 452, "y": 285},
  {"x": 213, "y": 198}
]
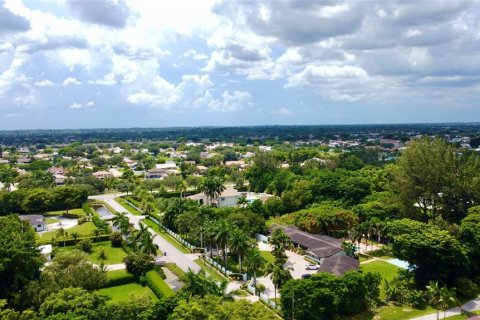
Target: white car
[{"x": 312, "y": 266}]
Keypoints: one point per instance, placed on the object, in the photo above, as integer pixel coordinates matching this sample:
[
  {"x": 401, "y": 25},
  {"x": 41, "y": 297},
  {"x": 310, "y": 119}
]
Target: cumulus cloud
[
  {"x": 193, "y": 92},
  {"x": 44, "y": 83},
  {"x": 281, "y": 111},
  {"x": 77, "y": 105},
  {"x": 10, "y": 22},
  {"x": 103, "y": 12},
  {"x": 71, "y": 81}
]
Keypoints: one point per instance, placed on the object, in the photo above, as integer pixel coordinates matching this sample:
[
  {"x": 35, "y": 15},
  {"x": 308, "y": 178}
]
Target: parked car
[
  {"x": 312, "y": 266},
  {"x": 306, "y": 276}
]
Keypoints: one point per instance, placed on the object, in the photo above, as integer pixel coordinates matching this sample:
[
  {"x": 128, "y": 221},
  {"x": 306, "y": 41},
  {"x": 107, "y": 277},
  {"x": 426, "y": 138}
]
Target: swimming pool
[{"x": 399, "y": 263}]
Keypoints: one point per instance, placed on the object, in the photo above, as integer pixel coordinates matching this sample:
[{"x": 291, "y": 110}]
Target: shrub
[
  {"x": 118, "y": 277},
  {"x": 116, "y": 240},
  {"x": 160, "y": 271},
  {"x": 157, "y": 285},
  {"x": 466, "y": 288},
  {"x": 138, "y": 264},
  {"x": 82, "y": 220},
  {"x": 85, "y": 245}
]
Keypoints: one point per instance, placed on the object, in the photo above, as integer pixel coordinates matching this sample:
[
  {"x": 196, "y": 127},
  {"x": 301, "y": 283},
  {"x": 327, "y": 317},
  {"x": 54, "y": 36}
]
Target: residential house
[
  {"x": 35, "y": 220},
  {"x": 57, "y": 170},
  {"x": 228, "y": 198},
  {"x": 24, "y": 160},
  {"x": 102, "y": 174},
  {"x": 156, "y": 173}
]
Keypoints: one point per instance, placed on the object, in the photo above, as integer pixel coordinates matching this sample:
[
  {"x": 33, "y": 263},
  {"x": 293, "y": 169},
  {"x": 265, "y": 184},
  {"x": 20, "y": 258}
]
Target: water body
[
  {"x": 399, "y": 263},
  {"x": 102, "y": 211}
]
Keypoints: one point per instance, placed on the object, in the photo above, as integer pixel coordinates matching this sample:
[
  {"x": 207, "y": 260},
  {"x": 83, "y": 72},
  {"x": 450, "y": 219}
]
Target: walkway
[
  {"x": 173, "y": 254},
  {"x": 472, "y": 305}
]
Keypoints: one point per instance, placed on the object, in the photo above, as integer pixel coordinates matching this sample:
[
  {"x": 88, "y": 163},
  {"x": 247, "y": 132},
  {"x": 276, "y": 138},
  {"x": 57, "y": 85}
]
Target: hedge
[
  {"x": 158, "y": 286},
  {"x": 118, "y": 277},
  {"x": 72, "y": 242},
  {"x": 173, "y": 194}
]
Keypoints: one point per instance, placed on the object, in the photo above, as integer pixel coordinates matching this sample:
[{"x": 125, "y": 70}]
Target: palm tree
[
  {"x": 209, "y": 229},
  {"x": 279, "y": 275},
  {"x": 61, "y": 233},
  {"x": 441, "y": 298},
  {"x": 222, "y": 231},
  {"x": 212, "y": 187},
  {"x": 280, "y": 242},
  {"x": 122, "y": 222},
  {"x": 253, "y": 262},
  {"x": 239, "y": 244},
  {"x": 181, "y": 187},
  {"x": 96, "y": 233},
  {"x": 147, "y": 245},
  {"x": 75, "y": 236},
  {"x": 198, "y": 284},
  {"x": 242, "y": 202}
]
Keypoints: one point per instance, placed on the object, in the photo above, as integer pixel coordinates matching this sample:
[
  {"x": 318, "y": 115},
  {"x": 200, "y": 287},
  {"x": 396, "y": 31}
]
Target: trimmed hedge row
[
  {"x": 157, "y": 285},
  {"x": 72, "y": 242},
  {"x": 118, "y": 278}
]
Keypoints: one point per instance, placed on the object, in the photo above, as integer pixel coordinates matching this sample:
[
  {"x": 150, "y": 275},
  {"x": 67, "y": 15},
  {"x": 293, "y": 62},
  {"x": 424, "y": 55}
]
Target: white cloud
[
  {"x": 281, "y": 111},
  {"x": 44, "y": 83},
  {"x": 77, "y": 105},
  {"x": 71, "y": 81}
]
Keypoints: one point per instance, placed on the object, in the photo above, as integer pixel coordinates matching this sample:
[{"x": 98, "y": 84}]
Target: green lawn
[
  {"x": 386, "y": 270},
  {"x": 84, "y": 230},
  {"x": 392, "y": 313},
  {"x": 127, "y": 207},
  {"x": 158, "y": 285},
  {"x": 211, "y": 271},
  {"x": 114, "y": 255},
  {"x": 51, "y": 220},
  {"x": 165, "y": 235},
  {"x": 175, "y": 269},
  {"x": 79, "y": 212},
  {"x": 268, "y": 256},
  {"x": 128, "y": 292}
]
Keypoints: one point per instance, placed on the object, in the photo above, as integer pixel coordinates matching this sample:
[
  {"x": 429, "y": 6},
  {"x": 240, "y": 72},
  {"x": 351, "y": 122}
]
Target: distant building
[
  {"x": 102, "y": 174},
  {"x": 35, "y": 220},
  {"x": 156, "y": 173},
  {"x": 228, "y": 198},
  {"x": 24, "y": 160},
  {"x": 57, "y": 170}
]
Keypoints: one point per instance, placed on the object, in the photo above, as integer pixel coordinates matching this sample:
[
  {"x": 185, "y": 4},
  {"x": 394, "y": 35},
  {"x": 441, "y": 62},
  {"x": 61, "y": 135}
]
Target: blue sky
[{"x": 99, "y": 63}]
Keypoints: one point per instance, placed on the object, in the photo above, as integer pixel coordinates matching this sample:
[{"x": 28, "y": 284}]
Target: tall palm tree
[
  {"x": 75, "y": 236},
  {"x": 96, "y": 233},
  {"x": 209, "y": 230},
  {"x": 212, "y": 187},
  {"x": 61, "y": 233},
  {"x": 253, "y": 262},
  {"x": 239, "y": 244},
  {"x": 280, "y": 242},
  {"x": 122, "y": 222},
  {"x": 198, "y": 284},
  {"x": 181, "y": 187},
  {"x": 279, "y": 275},
  {"x": 441, "y": 298},
  {"x": 147, "y": 245},
  {"x": 222, "y": 232}
]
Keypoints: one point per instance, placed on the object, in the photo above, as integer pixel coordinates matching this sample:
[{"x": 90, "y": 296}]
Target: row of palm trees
[
  {"x": 369, "y": 229},
  {"x": 140, "y": 239}
]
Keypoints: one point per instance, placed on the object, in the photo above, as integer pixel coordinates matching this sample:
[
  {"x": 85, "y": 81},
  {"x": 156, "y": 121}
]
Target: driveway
[
  {"x": 173, "y": 254},
  {"x": 294, "y": 261}
]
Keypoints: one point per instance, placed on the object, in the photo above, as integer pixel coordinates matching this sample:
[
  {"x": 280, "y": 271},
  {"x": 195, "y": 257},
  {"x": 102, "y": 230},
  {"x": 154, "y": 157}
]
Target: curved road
[{"x": 173, "y": 254}]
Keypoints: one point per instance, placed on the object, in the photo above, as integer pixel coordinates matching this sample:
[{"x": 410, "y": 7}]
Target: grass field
[
  {"x": 127, "y": 207},
  {"x": 267, "y": 255},
  {"x": 386, "y": 270},
  {"x": 128, "y": 292},
  {"x": 157, "y": 284},
  {"x": 79, "y": 212},
  {"x": 211, "y": 271},
  {"x": 114, "y": 255},
  {"x": 84, "y": 230},
  {"x": 175, "y": 269},
  {"x": 165, "y": 235}
]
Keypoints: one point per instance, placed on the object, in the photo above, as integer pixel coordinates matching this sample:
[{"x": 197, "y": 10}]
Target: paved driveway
[
  {"x": 295, "y": 261},
  {"x": 173, "y": 254}
]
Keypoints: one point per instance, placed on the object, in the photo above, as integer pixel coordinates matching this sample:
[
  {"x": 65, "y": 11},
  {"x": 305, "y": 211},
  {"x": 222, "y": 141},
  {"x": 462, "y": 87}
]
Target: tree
[
  {"x": 75, "y": 303},
  {"x": 212, "y": 187},
  {"x": 147, "y": 245},
  {"x": 122, "y": 222},
  {"x": 253, "y": 262},
  {"x": 242, "y": 202},
  {"x": 75, "y": 236},
  {"x": 20, "y": 260},
  {"x": 7, "y": 176},
  {"x": 239, "y": 244},
  {"x": 424, "y": 171},
  {"x": 199, "y": 285},
  {"x": 61, "y": 233},
  {"x": 222, "y": 232},
  {"x": 280, "y": 242},
  {"x": 279, "y": 275},
  {"x": 138, "y": 264},
  {"x": 441, "y": 298}
]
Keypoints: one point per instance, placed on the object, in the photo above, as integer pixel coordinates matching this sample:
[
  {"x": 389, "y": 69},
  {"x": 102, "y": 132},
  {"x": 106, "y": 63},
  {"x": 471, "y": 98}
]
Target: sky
[{"x": 133, "y": 63}]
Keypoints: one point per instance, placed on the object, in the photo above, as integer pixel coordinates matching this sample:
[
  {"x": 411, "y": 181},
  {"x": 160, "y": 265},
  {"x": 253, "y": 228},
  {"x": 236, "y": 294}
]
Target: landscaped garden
[
  {"x": 112, "y": 255},
  {"x": 386, "y": 270},
  {"x": 83, "y": 230},
  {"x": 128, "y": 292}
]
